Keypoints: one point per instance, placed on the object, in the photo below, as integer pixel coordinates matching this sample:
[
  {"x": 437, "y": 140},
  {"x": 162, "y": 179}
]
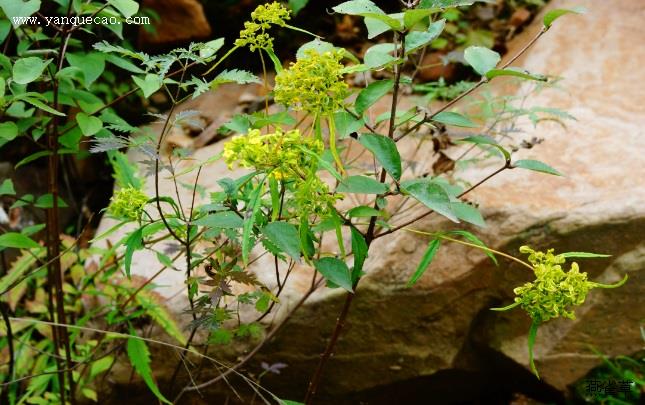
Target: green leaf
[
  {"x": 583, "y": 255},
  {"x": 336, "y": 271},
  {"x": 361, "y": 185},
  {"x": 17, "y": 241},
  {"x": 363, "y": 211},
  {"x": 385, "y": 151},
  {"x": 454, "y": 119},
  {"x": 532, "y": 335},
  {"x": 536, "y": 166},
  {"x": 160, "y": 315},
  {"x": 91, "y": 64},
  {"x": 412, "y": 17},
  {"x": 19, "y": 8},
  {"x": 47, "y": 201},
  {"x": 379, "y": 55},
  {"x": 475, "y": 240},
  {"x": 515, "y": 72},
  {"x": 6, "y": 188},
  {"x": 26, "y": 70},
  {"x": 553, "y": 15},
  {"x": 486, "y": 140},
  {"x": 418, "y": 39},
  {"x": 481, "y": 59},
  {"x": 371, "y": 94},
  {"x": 346, "y": 124},
  {"x": 317, "y": 45},
  {"x": 235, "y": 76},
  {"x": 100, "y": 365},
  {"x": 149, "y": 84},
  {"x": 140, "y": 359},
  {"x": 224, "y": 220},
  {"x": 468, "y": 213},
  {"x": 125, "y": 173},
  {"x": 32, "y": 157},
  {"x": 360, "y": 250},
  {"x": 211, "y": 47},
  {"x": 132, "y": 243},
  {"x": 42, "y": 106},
  {"x": 89, "y": 125},
  {"x": 428, "y": 256},
  {"x": 274, "y": 58},
  {"x": 431, "y": 195},
  {"x": 252, "y": 209},
  {"x": 358, "y": 7},
  {"x": 127, "y": 8},
  {"x": 375, "y": 27},
  {"x": 297, "y": 5},
  {"x": 285, "y": 236},
  {"x": 8, "y": 131}
]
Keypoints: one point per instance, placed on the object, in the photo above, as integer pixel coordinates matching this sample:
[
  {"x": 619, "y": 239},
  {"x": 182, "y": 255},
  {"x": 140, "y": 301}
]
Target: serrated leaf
[
  {"x": 160, "y": 315},
  {"x": 431, "y": 195},
  {"x": 358, "y": 7},
  {"x": 89, "y": 125},
  {"x": 210, "y": 48},
  {"x": 17, "y": 241},
  {"x": 27, "y": 70},
  {"x": 553, "y": 15},
  {"x": 225, "y": 220},
  {"x": 235, "y": 76},
  {"x": 361, "y": 185},
  {"x": 39, "y": 104},
  {"x": 371, "y": 94},
  {"x": 140, "y": 359},
  {"x": 335, "y": 271},
  {"x": 428, "y": 256},
  {"x": 536, "y": 166},
  {"x": 454, "y": 119},
  {"x": 481, "y": 59},
  {"x": 285, "y": 236},
  {"x": 132, "y": 243},
  {"x": 385, "y": 151}
]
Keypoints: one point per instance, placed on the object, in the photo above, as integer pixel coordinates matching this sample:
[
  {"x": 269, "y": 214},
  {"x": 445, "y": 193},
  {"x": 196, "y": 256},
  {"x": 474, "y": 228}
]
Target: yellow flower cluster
[
  {"x": 128, "y": 203},
  {"x": 314, "y": 83},
  {"x": 254, "y": 34},
  {"x": 554, "y": 291},
  {"x": 286, "y": 156}
]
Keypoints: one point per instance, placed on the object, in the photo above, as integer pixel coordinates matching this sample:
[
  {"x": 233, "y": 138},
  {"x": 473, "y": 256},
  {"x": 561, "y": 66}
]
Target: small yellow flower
[
  {"x": 254, "y": 33},
  {"x": 314, "y": 83},
  {"x": 128, "y": 203}
]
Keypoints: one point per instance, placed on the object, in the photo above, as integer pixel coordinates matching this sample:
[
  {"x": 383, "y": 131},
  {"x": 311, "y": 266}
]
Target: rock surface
[
  {"x": 180, "y": 21},
  {"x": 443, "y": 324}
]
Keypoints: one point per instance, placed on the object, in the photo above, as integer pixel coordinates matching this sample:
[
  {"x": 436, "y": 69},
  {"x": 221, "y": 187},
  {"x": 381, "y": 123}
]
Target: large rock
[
  {"x": 180, "y": 21},
  {"x": 442, "y": 329}
]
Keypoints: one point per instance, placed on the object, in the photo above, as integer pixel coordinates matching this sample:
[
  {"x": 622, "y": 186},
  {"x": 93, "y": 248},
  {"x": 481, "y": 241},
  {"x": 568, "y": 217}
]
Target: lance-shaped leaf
[
  {"x": 371, "y": 94},
  {"x": 481, "y": 59},
  {"x": 385, "y": 151},
  {"x": 361, "y": 185},
  {"x": 285, "y": 236},
  {"x": 454, "y": 119},
  {"x": 335, "y": 271},
  {"x": 553, "y": 15},
  {"x": 140, "y": 359},
  {"x": 515, "y": 72},
  {"x": 427, "y": 258},
  {"x": 431, "y": 195},
  {"x": 536, "y": 166}
]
